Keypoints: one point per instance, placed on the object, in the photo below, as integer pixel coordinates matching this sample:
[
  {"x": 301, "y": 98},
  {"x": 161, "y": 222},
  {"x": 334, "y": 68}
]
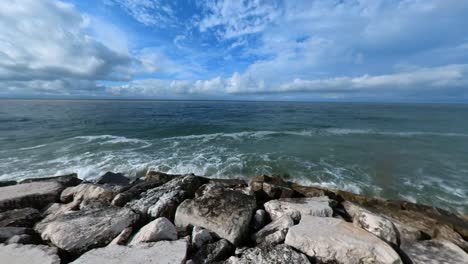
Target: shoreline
[{"x": 164, "y": 218}]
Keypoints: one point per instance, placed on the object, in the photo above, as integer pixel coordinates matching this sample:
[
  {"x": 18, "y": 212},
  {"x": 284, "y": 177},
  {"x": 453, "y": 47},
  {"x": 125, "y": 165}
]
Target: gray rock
[
  {"x": 213, "y": 252},
  {"x": 35, "y": 195},
  {"x": 7, "y": 233},
  {"x": 25, "y": 217},
  {"x": 267, "y": 188},
  {"x": 259, "y": 219},
  {"x": 28, "y": 254},
  {"x": 66, "y": 180},
  {"x": 200, "y": 236},
  {"x": 113, "y": 178},
  {"x": 434, "y": 252},
  {"x": 334, "y": 240},
  {"x": 21, "y": 239},
  {"x": 86, "y": 192},
  {"x": 162, "y": 201},
  {"x": 163, "y": 252},
  {"x": 275, "y": 232},
  {"x": 79, "y": 231},
  {"x": 279, "y": 254},
  {"x": 135, "y": 190},
  {"x": 295, "y": 207},
  {"x": 156, "y": 230},
  {"x": 225, "y": 212},
  {"x": 123, "y": 237},
  {"x": 376, "y": 224}
]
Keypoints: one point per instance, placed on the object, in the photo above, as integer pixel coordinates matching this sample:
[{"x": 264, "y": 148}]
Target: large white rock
[
  {"x": 86, "y": 192},
  {"x": 28, "y": 254},
  {"x": 295, "y": 207},
  {"x": 334, "y": 240},
  {"x": 156, "y": 230},
  {"x": 434, "y": 252},
  {"x": 34, "y": 194},
  {"x": 275, "y": 232},
  {"x": 162, "y": 252},
  {"x": 279, "y": 254},
  {"x": 374, "y": 223}
]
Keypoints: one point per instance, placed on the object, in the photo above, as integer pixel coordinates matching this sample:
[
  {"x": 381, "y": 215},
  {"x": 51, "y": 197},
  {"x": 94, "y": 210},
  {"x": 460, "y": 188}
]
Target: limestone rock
[
  {"x": 68, "y": 180},
  {"x": 226, "y": 212},
  {"x": 34, "y": 194},
  {"x": 28, "y": 254},
  {"x": 7, "y": 233},
  {"x": 135, "y": 190},
  {"x": 79, "y": 231},
  {"x": 25, "y": 217},
  {"x": 113, "y": 178},
  {"x": 123, "y": 237},
  {"x": 162, "y": 201},
  {"x": 159, "y": 176},
  {"x": 162, "y": 252},
  {"x": 21, "y": 239},
  {"x": 376, "y": 224},
  {"x": 434, "y": 252},
  {"x": 334, "y": 240},
  {"x": 200, "y": 236},
  {"x": 297, "y": 207},
  {"x": 159, "y": 229},
  {"x": 214, "y": 252},
  {"x": 86, "y": 192},
  {"x": 266, "y": 188},
  {"x": 279, "y": 254},
  {"x": 259, "y": 219},
  {"x": 275, "y": 232}
]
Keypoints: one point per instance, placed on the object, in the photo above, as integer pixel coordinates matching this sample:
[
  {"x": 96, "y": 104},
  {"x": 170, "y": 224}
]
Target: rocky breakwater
[{"x": 191, "y": 219}]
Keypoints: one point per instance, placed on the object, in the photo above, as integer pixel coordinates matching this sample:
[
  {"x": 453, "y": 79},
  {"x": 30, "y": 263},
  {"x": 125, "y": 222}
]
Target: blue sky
[{"x": 349, "y": 50}]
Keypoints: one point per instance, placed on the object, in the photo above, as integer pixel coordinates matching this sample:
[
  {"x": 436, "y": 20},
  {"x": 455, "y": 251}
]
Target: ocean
[{"x": 413, "y": 152}]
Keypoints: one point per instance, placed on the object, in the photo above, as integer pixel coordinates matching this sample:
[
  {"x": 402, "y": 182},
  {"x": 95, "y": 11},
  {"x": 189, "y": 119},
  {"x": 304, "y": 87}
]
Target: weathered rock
[
  {"x": 213, "y": 252},
  {"x": 266, "y": 188},
  {"x": 295, "y": 207},
  {"x": 34, "y": 194},
  {"x": 434, "y": 252},
  {"x": 259, "y": 220},
  {"x": 123, "y": 237},
  {"x": 229, "y": 183},
  {"x": 162, "y": 252},
  {"x": 279, "y": 254},
  {"x": 310, "y": 191},
  {"x": 226, "y": 212},
  {"x": 113, "y": 178},
  {"x": 78, "y": 231},
  {"x": 25, "y": 217},
  {"x": 162, "y": 201},
  {"x": 201, "y": 236},
  {"x": 28, "y": 254},
  {"x": 160, "y": 176},
  {"x": 68, "y": 180},
  {"x": 134, "y": 191},
  {"x": 275, "y": 232},
  {"x": 376, "y": 224},
  {"x": 156, "y": 230},
  {"x": 87, "y": 192},
  {"x": 333, "y": 240},
  {"x": 21, "y": 239},
  {"x": 7, "y": 233}
]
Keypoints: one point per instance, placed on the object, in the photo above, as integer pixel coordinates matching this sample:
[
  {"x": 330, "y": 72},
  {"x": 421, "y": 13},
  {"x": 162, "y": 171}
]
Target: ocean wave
[
  {"x": 110, "y": 139},
  {"x": 34, "y": 147}
]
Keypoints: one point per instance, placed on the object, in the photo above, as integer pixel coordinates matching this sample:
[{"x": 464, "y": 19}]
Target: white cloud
[{"x": 148, "y": 12}]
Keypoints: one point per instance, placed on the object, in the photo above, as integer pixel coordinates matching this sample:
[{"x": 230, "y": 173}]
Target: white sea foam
[{"x": 34, "y": 147}]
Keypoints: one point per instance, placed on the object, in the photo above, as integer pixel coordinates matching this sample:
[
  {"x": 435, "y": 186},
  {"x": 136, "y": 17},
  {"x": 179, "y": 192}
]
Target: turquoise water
[{"x": 414, "y": 152}]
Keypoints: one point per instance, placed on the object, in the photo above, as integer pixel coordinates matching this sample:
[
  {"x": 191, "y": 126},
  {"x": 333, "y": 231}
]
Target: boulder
[
  {"x": 259, "y": 220},
  {"x": 275, "y": 232},
  {"x": 376, "y": 224},
  {"x": 266, "y": 188},
  {"x": 34, "y": 194},
  {"x": 434, "y": 252},
  {"x": 201, "y": 236},
  {"x": 226, "y": 212},
  {"x": 214, "y": 252},
  {"x": 123, "y": 237},
  {"x": 79, "y": 231},
  {"x": 7, "y": 233},
  {"x": 66, "y": 180},
  {"x": 333, "y": 240},
  {"x": 25, "y": 217},
  {"x": 162, "y": 252},
  {"x": 135, "y": 190},
  {"x": 162, "y": 201},
  {"x": 22, "y": 239},
  {"x": 159, "y": 229},
  {"x": 158, "y": 176},
  {"x": 28, "y": 254},
  {"x": 113, "y": 178},
  {"x": 279, "y": 254},
  {"x": 295, "y": 207},
  {"x": 86, "y": 192}
]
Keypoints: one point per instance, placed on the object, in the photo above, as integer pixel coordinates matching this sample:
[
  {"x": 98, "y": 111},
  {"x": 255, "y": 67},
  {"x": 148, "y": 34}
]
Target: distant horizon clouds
[{"x": 343, "y": 50}]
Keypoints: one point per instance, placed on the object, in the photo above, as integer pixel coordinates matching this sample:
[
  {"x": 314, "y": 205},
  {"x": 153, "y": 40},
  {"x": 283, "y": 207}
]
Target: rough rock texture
[
  {"x": 434, "y": 252},
  {"x": 159, "y": 176},
  {"x": 113, "y": 178},
  {"x": 25, "y": 217},
  {"x": 7, "y": 233},
  {"x": 135, "y": 190},
  {"x": 275, "y": 232},
  {"x": 86, "y": 192},
  {"x": 331, "y": 239},
  {"x": 78, "y": 231},
  {"x": 163, "y": 252},
  {"x": 213, "y": 252},
  {"x": 162, "y": 201},
  {"x": 201, "y": 236},
  {"x": 34, "y": 194},
  {"x": 28, "y": 254},
  {"x": 66, "y": 180},
  {"x": 123, "y": 237},
  {"x": 226, "y": 212},
  {"x": 259, "y": 219},
  {"x": 374, "y": 223},
  {"x": 266, "y": 188},
  {"x": 297, "y": 207},
  {"x": 279, "y": 254},
  {"x": 156, "y": 230}
]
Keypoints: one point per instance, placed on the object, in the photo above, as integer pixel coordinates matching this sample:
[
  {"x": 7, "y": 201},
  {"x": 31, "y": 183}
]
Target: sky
[{"x": 337, "y": 50}]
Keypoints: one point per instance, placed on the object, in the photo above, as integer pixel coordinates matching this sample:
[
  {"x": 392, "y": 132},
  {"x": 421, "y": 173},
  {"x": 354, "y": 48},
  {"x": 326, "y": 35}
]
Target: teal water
[{"x": 414, "y": 152}]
